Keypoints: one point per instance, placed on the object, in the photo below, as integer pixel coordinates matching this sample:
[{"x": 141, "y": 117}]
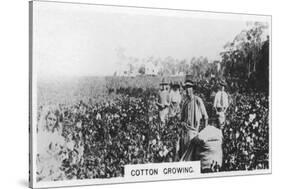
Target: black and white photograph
[{"x": 130, "y": 94}]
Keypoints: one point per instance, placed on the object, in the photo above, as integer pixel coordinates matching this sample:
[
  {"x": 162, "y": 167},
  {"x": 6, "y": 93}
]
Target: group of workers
[{"x": 191, "y": 111}]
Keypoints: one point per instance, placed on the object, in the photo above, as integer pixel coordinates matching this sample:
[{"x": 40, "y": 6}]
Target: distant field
[{"x": 69, "y": 90}]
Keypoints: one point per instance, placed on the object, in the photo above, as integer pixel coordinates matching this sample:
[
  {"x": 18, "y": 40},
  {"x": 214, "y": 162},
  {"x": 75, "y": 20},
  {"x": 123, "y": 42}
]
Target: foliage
[
  {"x": 246, "y": 57},
  {"x": 107, "y": 134}
]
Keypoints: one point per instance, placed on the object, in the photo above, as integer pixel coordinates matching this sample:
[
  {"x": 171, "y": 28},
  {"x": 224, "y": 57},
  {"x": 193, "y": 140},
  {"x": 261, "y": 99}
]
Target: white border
[{"x": 142, "y": 11}]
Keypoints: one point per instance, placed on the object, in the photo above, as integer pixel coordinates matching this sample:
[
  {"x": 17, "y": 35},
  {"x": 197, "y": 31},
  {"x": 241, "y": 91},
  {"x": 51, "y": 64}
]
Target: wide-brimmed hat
[
  {"x": 164, "y": 82},
  {"x": 188, "y": 82},
  {"x": 222, "y": 83},
  {"x": 175, "y": 84}
]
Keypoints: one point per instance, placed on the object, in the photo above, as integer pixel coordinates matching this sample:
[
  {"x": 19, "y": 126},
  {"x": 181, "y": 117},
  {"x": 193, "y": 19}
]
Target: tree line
[{"x": 245, "y": 58}]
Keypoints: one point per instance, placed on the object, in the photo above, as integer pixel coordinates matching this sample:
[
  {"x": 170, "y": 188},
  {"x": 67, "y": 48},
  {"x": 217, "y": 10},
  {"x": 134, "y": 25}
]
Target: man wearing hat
[
  {"x": 193, "y": 110},
  {"x": 221, "y": 101},
  {"x": 207, "y": 147},
  {"x": 164, "y": 103},
  {"x": 175, "y": 99}
]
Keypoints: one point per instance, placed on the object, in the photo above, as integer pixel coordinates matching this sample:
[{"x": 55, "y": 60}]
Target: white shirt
[
  {"x": 211, "y": 146},
  {"x": 175, "y": 96},
  {"x": 221, "y": 100}
]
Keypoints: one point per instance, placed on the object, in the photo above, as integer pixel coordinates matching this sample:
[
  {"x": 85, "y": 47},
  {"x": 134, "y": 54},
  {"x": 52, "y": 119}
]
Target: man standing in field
[
  {"x": 163, "y": 104},
  {"x": 207, "y": 147},
  {"x": 175, "y": 100},
  {"x": 221, "y": 102},
  {"x": 193, "y": 110}
]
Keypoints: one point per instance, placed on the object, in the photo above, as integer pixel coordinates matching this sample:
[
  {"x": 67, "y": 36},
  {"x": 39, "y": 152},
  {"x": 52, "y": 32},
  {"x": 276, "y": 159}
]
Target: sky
[{"x": 82, "y": 40}]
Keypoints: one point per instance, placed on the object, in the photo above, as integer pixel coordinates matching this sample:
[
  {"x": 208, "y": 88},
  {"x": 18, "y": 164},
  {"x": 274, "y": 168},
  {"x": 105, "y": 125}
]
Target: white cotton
[
  {"x": 255, "y": 125},
  {"x": 248, "y": 139},
  {"x": 252, "y": 117}
]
